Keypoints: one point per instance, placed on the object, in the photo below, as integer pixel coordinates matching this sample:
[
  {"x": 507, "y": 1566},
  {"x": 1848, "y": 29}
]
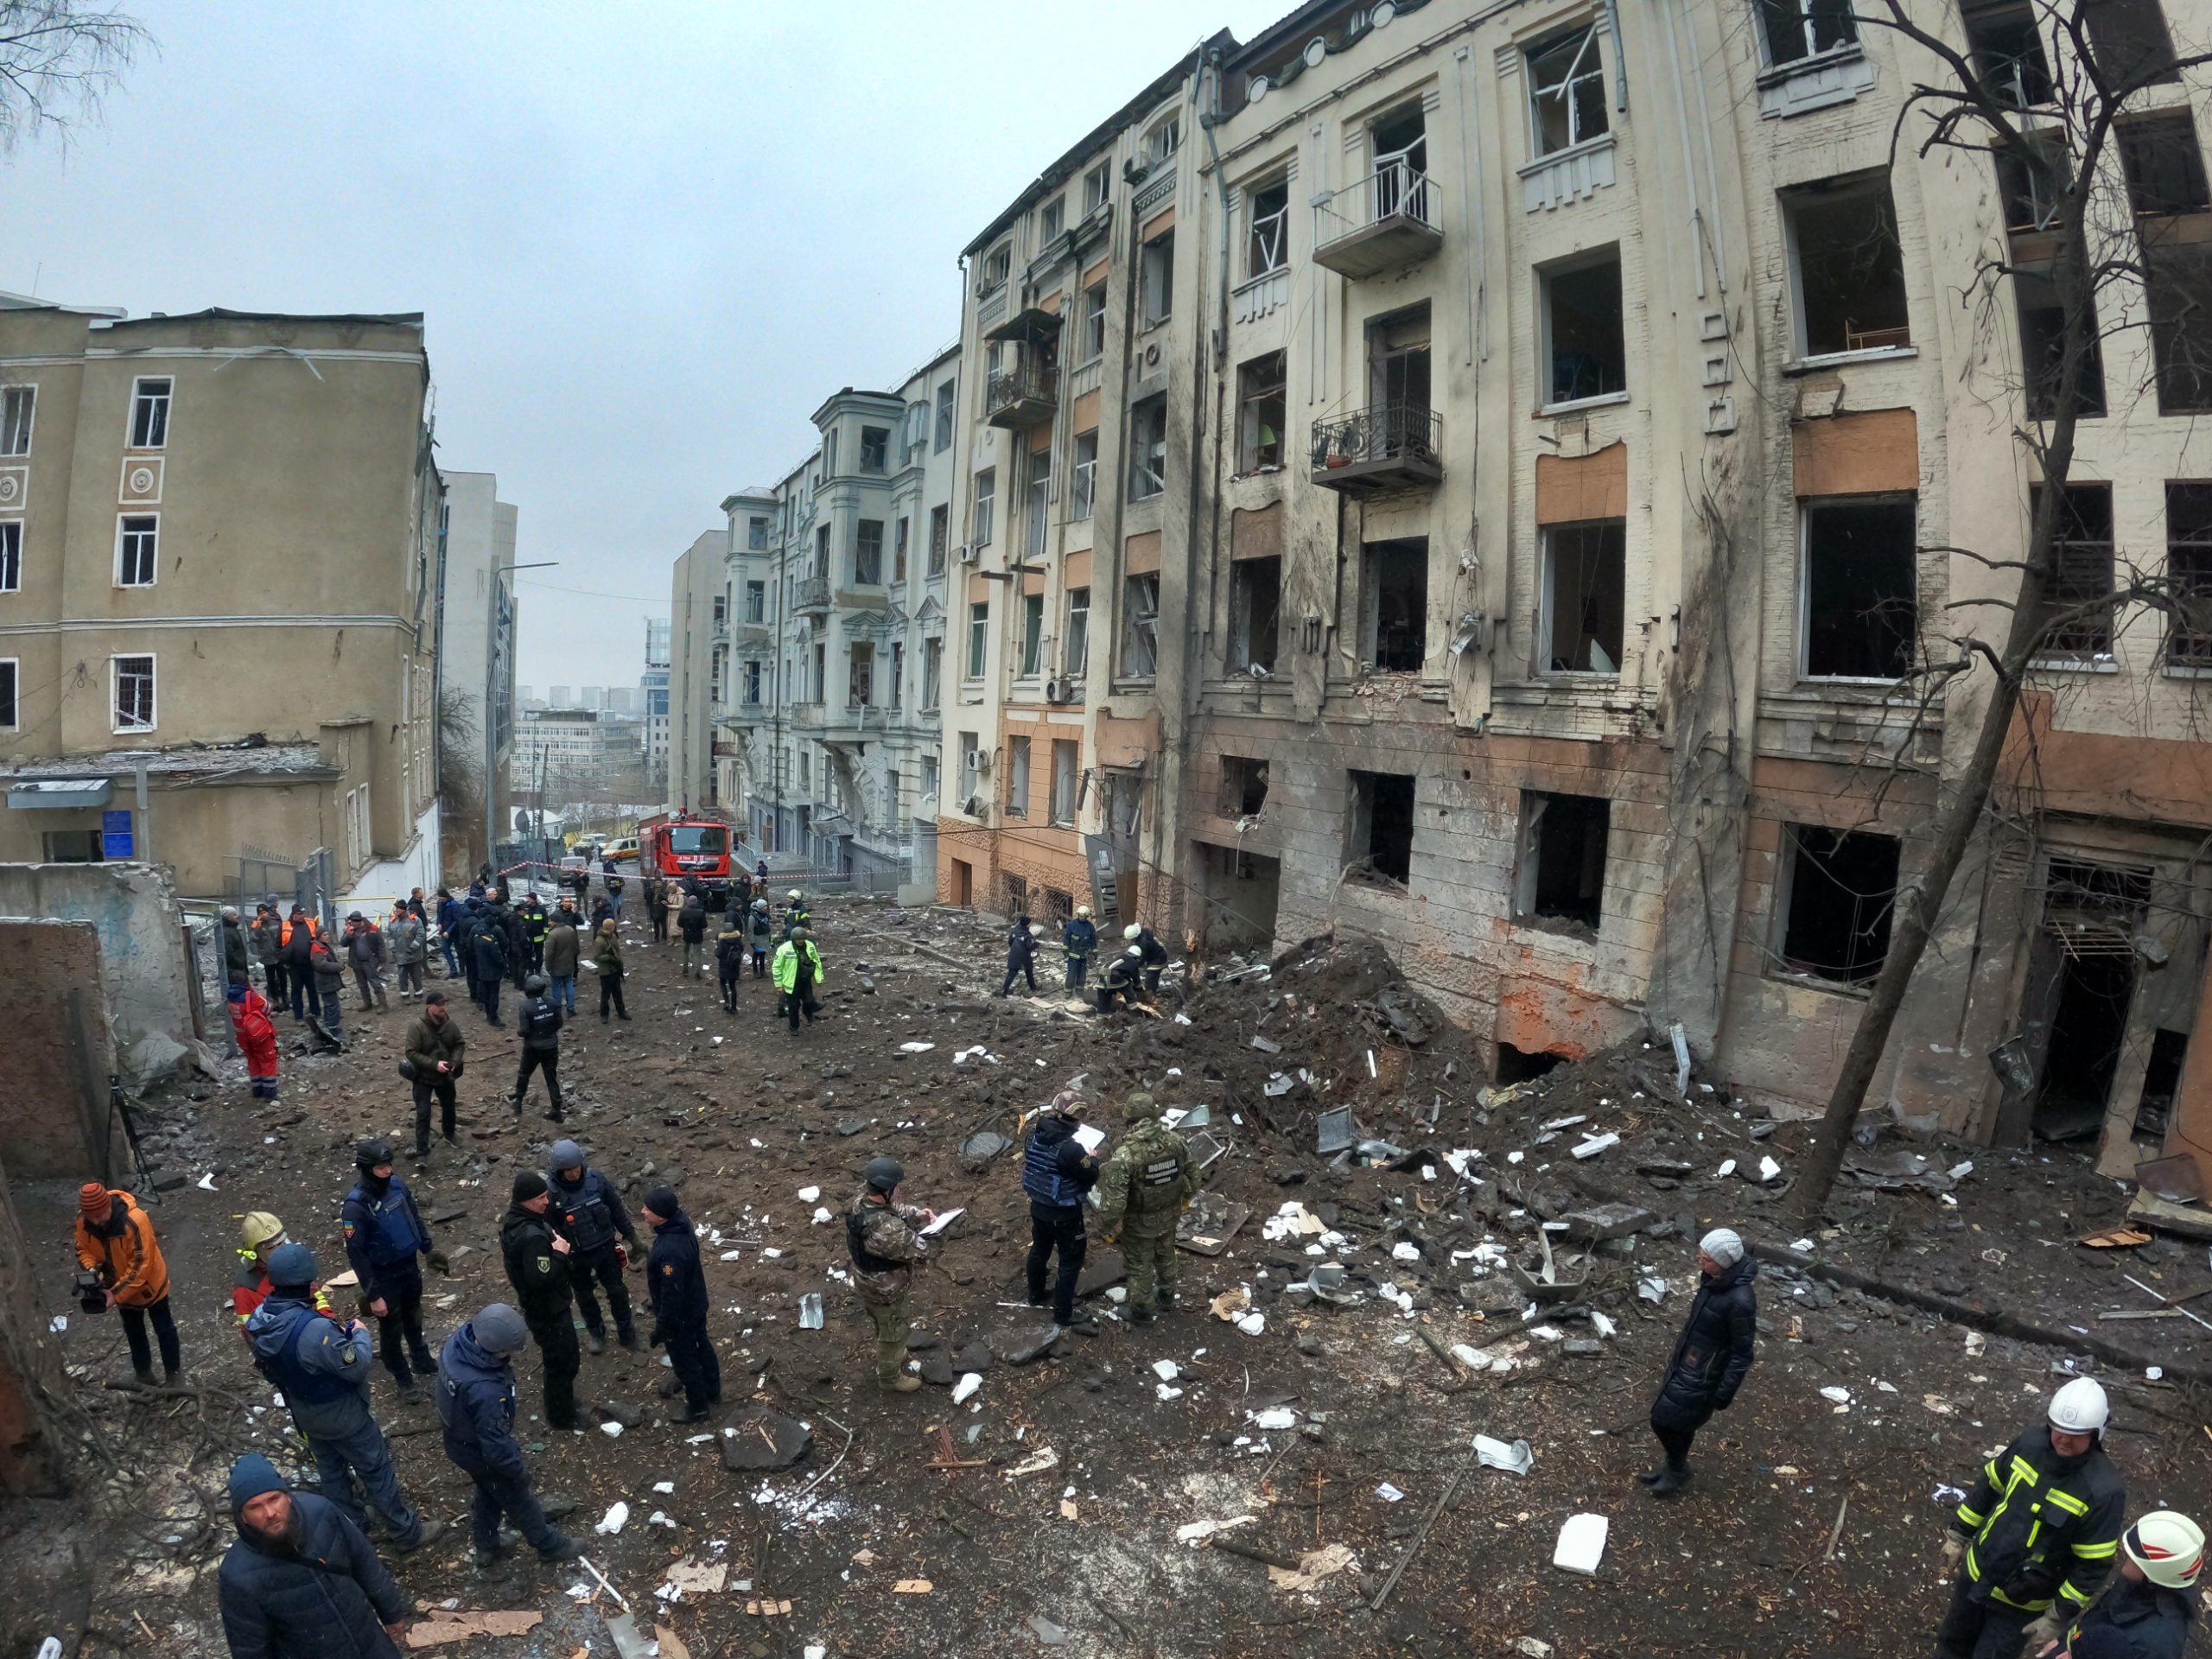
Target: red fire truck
[{"x": 686, "y": 847}]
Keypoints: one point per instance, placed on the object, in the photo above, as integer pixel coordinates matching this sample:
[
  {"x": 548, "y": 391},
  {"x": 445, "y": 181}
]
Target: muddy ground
[{"x": 1812, "y": 1529}]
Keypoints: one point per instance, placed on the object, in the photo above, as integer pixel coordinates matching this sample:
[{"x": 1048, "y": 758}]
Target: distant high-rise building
[
  {"x": 593, "y": 697},
  {"x": 652, "y": 694},
  {"x": 622, "y": 699},
  {"x": 556, "y": 696},
  {"x": 525, "y": 694}
]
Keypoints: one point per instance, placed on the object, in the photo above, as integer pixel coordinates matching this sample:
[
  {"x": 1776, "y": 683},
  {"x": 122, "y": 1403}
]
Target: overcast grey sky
[{"x": 647, "y": 241}]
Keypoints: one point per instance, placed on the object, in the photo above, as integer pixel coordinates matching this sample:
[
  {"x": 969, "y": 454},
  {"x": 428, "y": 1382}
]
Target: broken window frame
[
  {"x": 1361, "y": 856},
  {"x": 2178, "y": 292},
  {"x": 2084, "y": 566},
  {"x": 1098, "y": 188},
  {"x": 2014, "y": 71},
  {"x": 860, "y": 674},
  {"x": 1398, "y": 169},
  {"x": 137, "y": 549},
  {"x": 2163, "y": 159},
  {"x": 1066, "y": 782},
  {"x": 1578, "y": 114},
  {"x": 876, "y": 449},
  {"x": 1083, "y": 477},
  {"x": 933, "y": 673},
  {"x": 1017, "y": 776},
  {"x": 1241, "y": 788},
  {"x": 979, "y": 639},
  {"x": 986, "y": 500},
  {"x": 1267, "y": 227},
  {"x": 1373, "y": 556},
  {"x": 1592, "y": 543},
  {"x": 867, "y": 553},
  {"x": 1808, "y": 30},
  {"x": 2126, "y": 56},
  {"x": 11, "y": 555},
  {"x": 12, "y": 677},
  {"x": 1262, "y": 412},
  {"x": 941, "y": 439},
  {"x": 1075, "y": 645},
  {"x": 1810, "y": 509},
  {"x": 971, "y": 768},
  {"x": 2029, "y": 195},
  {"x": 1855, "y": 974},
  {"x": 18, "y": 420},
  {"x": 1140, "y": 655},
  {"x": 1149, "y": 448},
  {"x": 1037, "y": 488},
  {"x": 1839, "y": 195},
  {"x": 901, "y": 534},
  {"x": 2041, "y": 320},
  {"x": 1529, "y": 905},
  {"x": 1094, "y": 322},
  {"x": 1156, "y": 279},
  {"x": 150, "y": 396},
  {"x": 1254, "y": 613},
  {"x": 940, "y": 537},
  {"x": 756, "y": 602},
  {"x": 1592, "y": 381},
  {"x": 998, "y": 266},
  {"x": 132, "y": 705},
  {"x": 1051, "y": 220},
  {"x": 2189, "y": 575},
  {"x": 1033, "y": 636}
]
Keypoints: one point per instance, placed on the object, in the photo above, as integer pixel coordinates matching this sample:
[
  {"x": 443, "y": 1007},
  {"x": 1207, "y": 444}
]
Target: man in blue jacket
[
  {"x": 384, "y": 1237},
  {"x": 678, "y": 1289},
  {"x": 491, "y": 942},
  {"x": 321, "y": 1368},
  {"x": 476, "y": 1405},
  {"x": 1078, "y": 941},
  {"x": 300, "y": 1581}
]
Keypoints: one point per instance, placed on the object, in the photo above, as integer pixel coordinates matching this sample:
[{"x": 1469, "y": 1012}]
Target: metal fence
[{"x": 257, "y": 875}]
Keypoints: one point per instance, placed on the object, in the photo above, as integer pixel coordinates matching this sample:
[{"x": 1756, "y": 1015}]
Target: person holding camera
[{"x": 124, "y": 1269}]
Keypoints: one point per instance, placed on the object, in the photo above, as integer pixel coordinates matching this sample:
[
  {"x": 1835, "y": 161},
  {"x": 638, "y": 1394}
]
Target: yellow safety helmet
[{"x": 258, "y": 1230}]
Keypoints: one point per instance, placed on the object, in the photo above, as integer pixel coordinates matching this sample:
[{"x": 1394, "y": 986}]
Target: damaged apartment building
[
  {"x": 1505, "y": 479},
  {"x": 221, "y": 553},
  {"x": 826, "y": 647}
]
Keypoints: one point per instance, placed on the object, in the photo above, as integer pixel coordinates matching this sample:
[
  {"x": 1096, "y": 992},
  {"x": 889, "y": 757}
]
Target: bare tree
[
  {"x": 2061, "y": 133},
  {"x": 57, "y": 59}
]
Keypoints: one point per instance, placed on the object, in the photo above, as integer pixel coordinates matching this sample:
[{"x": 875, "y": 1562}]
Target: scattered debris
[{"x": 1581, "y": 1542}]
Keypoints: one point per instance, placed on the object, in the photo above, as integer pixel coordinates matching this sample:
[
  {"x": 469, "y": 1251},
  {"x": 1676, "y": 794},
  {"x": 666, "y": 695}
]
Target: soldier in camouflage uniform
[
  {"x": 1148, "y": 1181},
  {"x": 886, "y": 1246}
]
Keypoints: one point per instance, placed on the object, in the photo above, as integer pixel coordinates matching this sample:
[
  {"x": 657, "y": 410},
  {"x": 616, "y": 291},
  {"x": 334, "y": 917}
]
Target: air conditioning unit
[
  {"x": 975, "y": 807},
  {"x": 1059, "y": 691},
  {"x": 967, "y": 553}
]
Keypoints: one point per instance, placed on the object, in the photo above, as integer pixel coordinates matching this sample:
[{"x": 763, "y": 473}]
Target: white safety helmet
[
  {"x": 1082, "y": 910},
  {"x": 1131, "y": 930},
  {"x": 793, "y": 895},
  {"x": 2080, "y": 1406},
  {"x": 2168, "y": 1546}
]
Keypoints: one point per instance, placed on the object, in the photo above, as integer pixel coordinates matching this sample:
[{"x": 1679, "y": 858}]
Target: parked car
[{"x": 623, "y": 849}]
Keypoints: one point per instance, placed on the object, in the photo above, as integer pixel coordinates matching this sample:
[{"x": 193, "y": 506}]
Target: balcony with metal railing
[
  {"x": 1384, "y": 221},
  {"x": 810, "y": 594},
  {"x": 1024, "y": 396},
  {"x": 1379, "y": 451}
]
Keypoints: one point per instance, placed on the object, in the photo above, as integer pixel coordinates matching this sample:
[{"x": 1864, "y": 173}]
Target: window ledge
[
  {"x": 1817, "y": 687},
  {"x": 1774, "y": 74},
  {"x": 1815, "y": 363},
  {"x": 2186, "y": 671},
  {"x": 1575, "y": 406},
  {"x": 2072, "y": 665},
  {"x": 1566, "y": 152},
  {"x": 1559, "y": 927},
  {"x": 1575, "y": 677}
]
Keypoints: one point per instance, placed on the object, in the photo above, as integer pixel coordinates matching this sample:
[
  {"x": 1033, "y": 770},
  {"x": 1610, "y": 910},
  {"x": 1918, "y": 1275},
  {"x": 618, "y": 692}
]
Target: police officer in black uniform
[
  {"x": 538, "y": 1267},
  {"x": 587, "y": 1212},
  {"x": 539, "y": 1024}
]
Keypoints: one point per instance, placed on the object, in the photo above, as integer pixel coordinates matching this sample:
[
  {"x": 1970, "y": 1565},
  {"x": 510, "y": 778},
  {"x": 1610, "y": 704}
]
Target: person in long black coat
[
  {"x": 1711, "y": 1359},
  {"x": 677, "y": 1290}
]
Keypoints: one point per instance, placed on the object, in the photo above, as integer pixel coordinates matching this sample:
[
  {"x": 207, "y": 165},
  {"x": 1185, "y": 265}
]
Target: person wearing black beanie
[
  {"x": 536, "y": 1258},
  {"x": 678, "y": 1287}
]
